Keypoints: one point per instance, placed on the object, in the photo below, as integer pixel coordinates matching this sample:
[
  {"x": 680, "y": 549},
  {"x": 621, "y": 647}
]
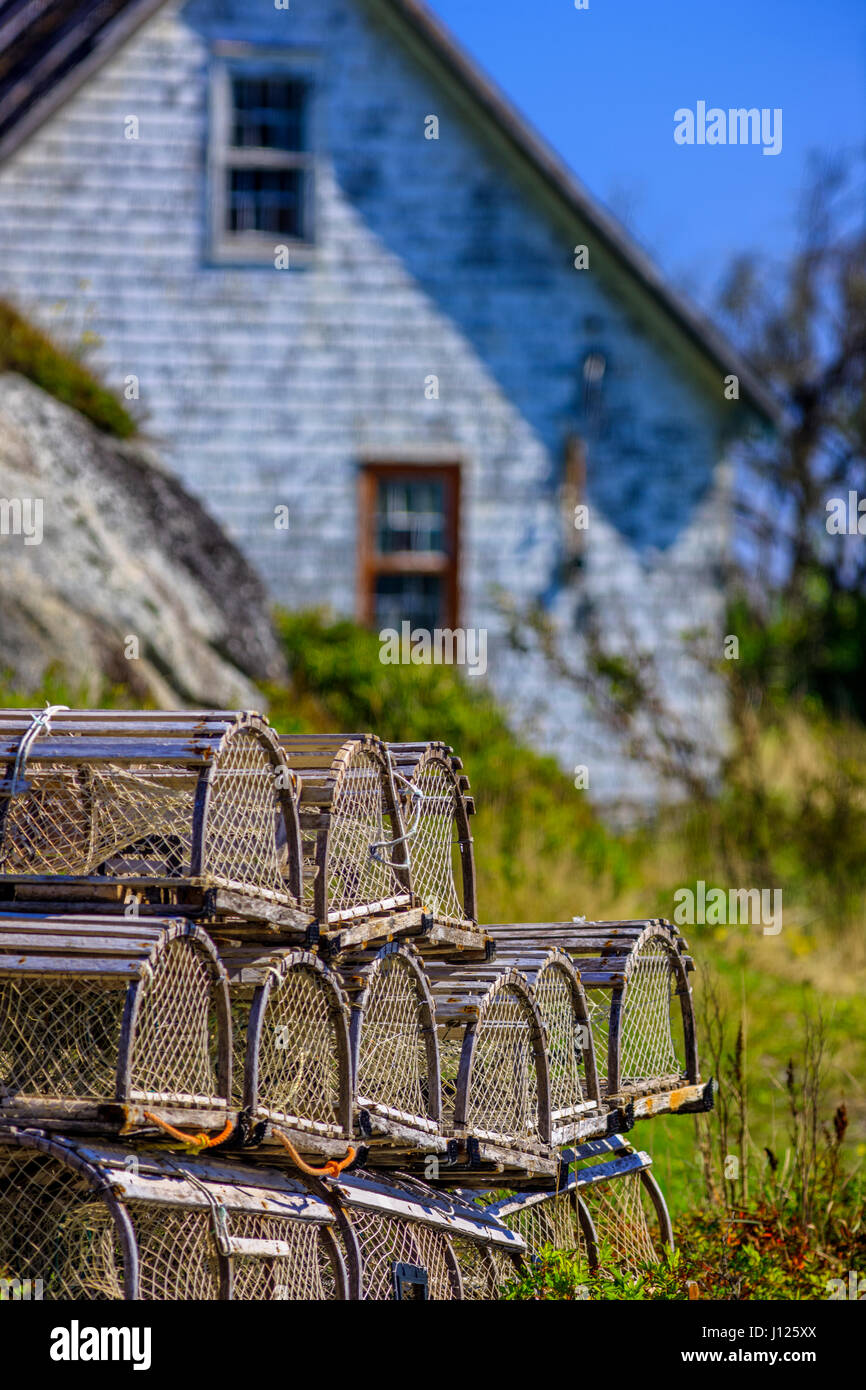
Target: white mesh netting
[
  {"x": 392, "y": 1062},
  {"x": 433, "y": 840},
  {"x": 388, "y": 1241},
  {"x": 555, "y": 999}
]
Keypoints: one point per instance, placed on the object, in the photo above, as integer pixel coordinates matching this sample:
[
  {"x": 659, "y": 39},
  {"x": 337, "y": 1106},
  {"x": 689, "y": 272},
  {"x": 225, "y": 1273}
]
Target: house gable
[{"x": 47, "y": 59}]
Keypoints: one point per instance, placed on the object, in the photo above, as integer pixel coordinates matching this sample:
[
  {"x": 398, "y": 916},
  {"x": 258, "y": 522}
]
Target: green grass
[{"x": 27, "y": 350}]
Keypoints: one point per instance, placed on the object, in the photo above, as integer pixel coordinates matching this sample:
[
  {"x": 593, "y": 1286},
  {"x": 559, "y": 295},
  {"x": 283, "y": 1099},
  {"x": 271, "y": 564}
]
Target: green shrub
[
  {"x": 27, "y": 350},
  {"x": 539, "y": 846}
]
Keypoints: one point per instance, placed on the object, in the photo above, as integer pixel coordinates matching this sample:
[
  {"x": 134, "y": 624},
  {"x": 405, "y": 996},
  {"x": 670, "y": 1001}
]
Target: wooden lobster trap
[
  {"x": 112, "y": 1022},
  {"x": 395, "y": 1053},
  {"x": 486, "y": 1268},
  {"x": 173, "y": 803},
  {"x": 633, "y": 974},
  {"x": 494, "y": 1068},
  {"x": 412, "y": 1243},
  {"x": 292, "y": 1065},
  {"x": 84, "y": 1221},
  {"x": 436, "y": 805},
  {"x": 609, "y": 1213},
  {"x": 355, "y": 858},
  {"x": 562, "y": 1005},
  {"x": 630, "y": 1220}
]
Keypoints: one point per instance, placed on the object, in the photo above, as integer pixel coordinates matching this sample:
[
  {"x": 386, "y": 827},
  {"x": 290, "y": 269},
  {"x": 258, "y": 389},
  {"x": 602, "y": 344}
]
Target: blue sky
[{"x": 602, "y": 85}]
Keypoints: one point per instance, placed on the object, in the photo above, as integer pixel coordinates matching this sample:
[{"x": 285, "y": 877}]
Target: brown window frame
[{"x": 372, "y": 563}]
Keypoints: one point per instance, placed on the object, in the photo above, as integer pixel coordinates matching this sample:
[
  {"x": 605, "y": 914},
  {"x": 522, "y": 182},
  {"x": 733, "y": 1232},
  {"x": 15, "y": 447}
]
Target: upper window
[
  {"x": 261, "y": 162},
  {"x": 408, "y": 546}
]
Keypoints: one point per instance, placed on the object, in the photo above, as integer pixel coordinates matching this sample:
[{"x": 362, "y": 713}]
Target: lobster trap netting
[
  {"x": 361, "y": 853},
  {"x": 55, "y": 1233},
  {"x": 388, "y": 1241},
  {"x": 624, "y": 1222},
  {"x": 304, "y": 1269},
  {"x": 555, "y": 999},
  {"x": 646, "y": 1042},
  {"x": 60, "y": 1037},
  {"x": 433, "y": 841},
  {"x": 241, "y": 839},
  {"x": 299, "y": 1071},
  {"x": 552, "y": 1222},
  {"x": 598, "y": 1009},
  {"x": 450, "y": 1051},
  {"x": 176, "y": 1034},
  {"x": 177, "y": 1253},
  {"x": 484, "y": 1270},
  {"x": 393, "y": 1068},
  {"x": 503, "y": 1089},
  {"x": 81, "y": 818}
]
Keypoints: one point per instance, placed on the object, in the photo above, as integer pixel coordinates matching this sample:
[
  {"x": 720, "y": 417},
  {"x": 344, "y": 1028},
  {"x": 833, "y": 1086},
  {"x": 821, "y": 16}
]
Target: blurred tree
[{"x": 803, "y": 325}]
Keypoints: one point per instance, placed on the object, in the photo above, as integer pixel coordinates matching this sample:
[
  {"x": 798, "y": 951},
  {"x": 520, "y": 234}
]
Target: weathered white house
[{"x": 381, "y": 331}]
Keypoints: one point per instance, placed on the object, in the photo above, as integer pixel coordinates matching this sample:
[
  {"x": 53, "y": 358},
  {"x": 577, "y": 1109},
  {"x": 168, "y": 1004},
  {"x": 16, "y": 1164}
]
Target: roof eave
[{"x": 116, "y": 33}]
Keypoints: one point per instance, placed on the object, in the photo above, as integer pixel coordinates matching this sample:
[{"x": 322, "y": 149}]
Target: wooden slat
[
  {"x": 101, "y": 945},
  {"x": 84, "y": 967},
  {"x": 180, "y": 751}
]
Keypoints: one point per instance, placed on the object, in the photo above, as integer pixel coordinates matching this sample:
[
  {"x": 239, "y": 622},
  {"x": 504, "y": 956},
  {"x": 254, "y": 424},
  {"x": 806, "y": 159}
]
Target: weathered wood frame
[
  {"x": 115, "y": 952},
  {"x": 604, "y": 954},
  {"x": 410, "y": 1200},
  {"x": 266, "y": 976},
  {"x": 462, "y": 998},
  {"x": 61, "y": 1153},
  {"x": 409, "y": 760},
  {"x": 625, "y": 1160},
  {"x": 569, "y": 1124},
  {"x": 419, "y": 1131},
  {"x": 322, "y": 763},
  {"x": 617, "y": 980},
  {"x": 196, "y": 742},
  {"x": 118, "y": 1176}
]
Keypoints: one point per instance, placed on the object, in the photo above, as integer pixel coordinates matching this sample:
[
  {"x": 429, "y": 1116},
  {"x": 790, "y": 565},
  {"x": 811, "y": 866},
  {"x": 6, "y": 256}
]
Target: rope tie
[
  {"x": 412, "y": 829},
  {"x": 40, "y": 724},
  {"x": 332, "y": 1169},
  {"x": 195, "y": 1142}
]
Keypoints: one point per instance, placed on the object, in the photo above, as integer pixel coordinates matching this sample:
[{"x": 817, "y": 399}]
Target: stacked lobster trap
[{"x": 255, "y": 1044}]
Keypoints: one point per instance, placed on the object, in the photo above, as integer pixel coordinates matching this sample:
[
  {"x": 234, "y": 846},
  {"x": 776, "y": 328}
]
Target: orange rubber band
[
  {"x": 198, "y": 1141},
  {"x": 332, "y": 1169}
]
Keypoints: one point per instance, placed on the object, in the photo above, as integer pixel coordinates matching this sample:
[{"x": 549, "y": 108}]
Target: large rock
[{"x": 126, "y": 560}]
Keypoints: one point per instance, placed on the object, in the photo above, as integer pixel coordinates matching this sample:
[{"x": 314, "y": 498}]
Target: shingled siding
[{"x": 267, "y": 387}]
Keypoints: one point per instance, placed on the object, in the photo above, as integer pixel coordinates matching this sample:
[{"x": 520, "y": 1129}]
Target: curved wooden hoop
[
  {"x": 428, "y": 1023},
  {"x": 653, "y": 931},
  {"x": 286, "y": 800},
  {"x": 558, "y": 959},
  {"x": 57, "y": 1150},
  {"x": 440, "y": 754},
  {"x": 510, "y": 978},
  {"x": 132, "y": 1006},
  {"x": 337, "y": 1009}
]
